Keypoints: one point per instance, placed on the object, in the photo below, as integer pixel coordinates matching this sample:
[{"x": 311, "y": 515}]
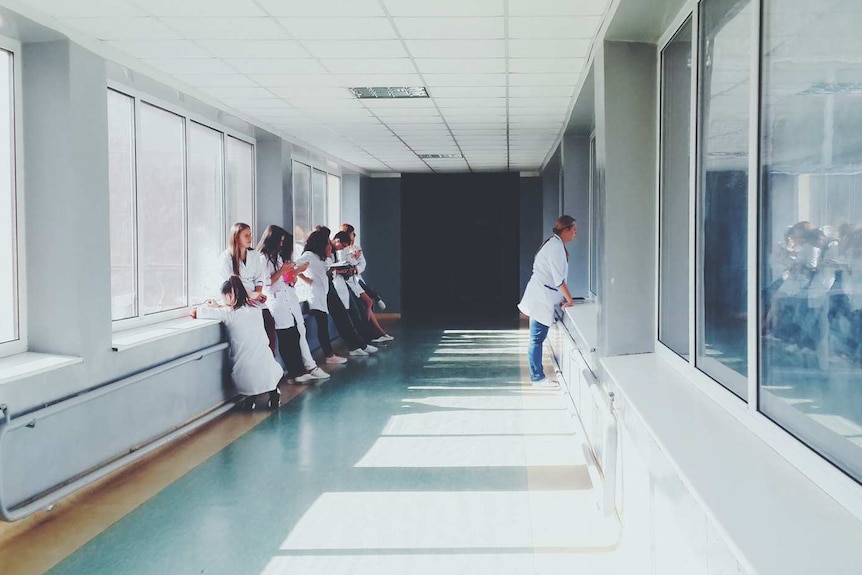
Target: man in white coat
[{"x": 546, "y": 289}]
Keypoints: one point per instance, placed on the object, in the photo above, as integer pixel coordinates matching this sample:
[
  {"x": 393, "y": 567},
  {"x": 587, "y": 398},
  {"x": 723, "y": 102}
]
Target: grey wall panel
[
  {"x": 350, "y": 201},
  {"x": 380, "y": 204},
  {"x": 269, "y": 191},
  {"x": 531, "y": 226},
  {"x": 551, "y": 191},
  {"x": 576, "y": 203}
]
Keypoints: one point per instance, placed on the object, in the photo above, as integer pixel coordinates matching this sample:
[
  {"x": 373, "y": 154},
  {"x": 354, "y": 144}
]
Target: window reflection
[
  {"x": 722, "y": 314},
  {"x": 811, "y": 226}
]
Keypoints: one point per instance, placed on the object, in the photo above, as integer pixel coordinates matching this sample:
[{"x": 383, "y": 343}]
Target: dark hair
[
  {"x": 344, "y": 238},
  {"x": 316, "y": 243},
  {"x": 234, "y": 285},
  {"x": 323, "y": 229},
  {"x": 233, "y": 243},
  {"x": 347, "y": 228},
  {"x": 286, "y": 251},
  {"x": 562, "y": 223},
  {"x": 270, "y": 244}
]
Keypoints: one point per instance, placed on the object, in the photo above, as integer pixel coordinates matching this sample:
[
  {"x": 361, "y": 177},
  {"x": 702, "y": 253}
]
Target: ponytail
[{"x": 234, "y": 285}]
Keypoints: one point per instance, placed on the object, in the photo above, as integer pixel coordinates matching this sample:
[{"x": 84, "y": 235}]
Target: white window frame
[
  {"x": 139, "y": 97},
  {"x": 312, "y": 166},
  {"x": 837, "y": 484},
  {"x": 18, "y": 345}
]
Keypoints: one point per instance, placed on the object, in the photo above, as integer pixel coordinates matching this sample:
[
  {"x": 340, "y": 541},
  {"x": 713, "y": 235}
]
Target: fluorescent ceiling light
[{"x": 390, "y": 92}]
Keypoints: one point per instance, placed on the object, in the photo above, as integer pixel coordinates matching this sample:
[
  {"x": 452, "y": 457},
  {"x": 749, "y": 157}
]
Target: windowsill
[
  {"x": 130, "y": 338},
  {"x": 778, "y": 521},
  {"x": 28, "y": 364},
  {"x": 583, "y": 320}
]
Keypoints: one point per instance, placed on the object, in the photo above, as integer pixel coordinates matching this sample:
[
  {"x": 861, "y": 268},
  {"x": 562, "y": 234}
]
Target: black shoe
[{"x": 275, "y": 398}]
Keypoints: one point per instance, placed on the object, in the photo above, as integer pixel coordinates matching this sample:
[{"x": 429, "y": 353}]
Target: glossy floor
[{"x": 429, "y": 457}]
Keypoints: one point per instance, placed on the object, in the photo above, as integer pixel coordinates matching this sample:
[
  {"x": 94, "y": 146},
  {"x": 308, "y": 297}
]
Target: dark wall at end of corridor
[{"x": 380, "y": 237}]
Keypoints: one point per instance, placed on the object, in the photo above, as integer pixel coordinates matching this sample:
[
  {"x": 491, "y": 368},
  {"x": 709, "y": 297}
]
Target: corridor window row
[
  {"x": 316, "y": 200},
  {"x": 760, "y": 212},
  {"x": 12, "y": 327}
]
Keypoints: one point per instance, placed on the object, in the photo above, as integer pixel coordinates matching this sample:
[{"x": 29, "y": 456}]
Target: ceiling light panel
[
  {"x": 194, "y": 8},
  {"x": 557, "y": 7},
  {"x": 450, "y": 28},
  {"x": 268, "y": 49},
  {"x": 456, "y": 48},
  {"x": 227, "y": 28},
  {"x": 569, "y": 48},
  {"x": 356, "y": 49},
  {"x": 322, "y": 8},
  {"x": 161, "y": 49},
  {"x": 461, "y": 65},
  {"x": 546, "y": 65},
  {"x": 123, "y": 28},
  {"x": 339, "y": 28},
  {"x": 554, "y": 27}
]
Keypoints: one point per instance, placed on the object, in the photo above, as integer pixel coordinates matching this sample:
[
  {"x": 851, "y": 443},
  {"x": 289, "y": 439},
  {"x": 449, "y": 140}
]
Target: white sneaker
[
  {"x": 358, "y": 352},
  {"x": 370, "y": 348},
  {"x": 545, "y": 382},
  {"x": 383, "y": 338},
  {"x": 305, "y": 378},
  {"x": 318, "y": 373},
  {"x": 381, "y": 305},
  {"x": 336, "y": 359}
]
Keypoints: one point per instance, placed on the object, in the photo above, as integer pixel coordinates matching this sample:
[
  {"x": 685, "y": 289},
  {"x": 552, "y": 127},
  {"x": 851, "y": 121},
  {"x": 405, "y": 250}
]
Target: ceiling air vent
[
  {"x": 440, "y": 156},
  {"x": 390, "y": 92}
]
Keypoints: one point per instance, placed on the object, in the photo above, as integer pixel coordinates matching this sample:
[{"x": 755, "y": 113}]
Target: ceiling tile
[
  {"x": 557, "y": 7},
  {"x": 242, "y": 49},
  {"x": 543, "y": 79},
  {"x": 445, "y": 8},
  {"x": 322, "y": 8},
  {"x": 555, "y": 48},
  {"x": 379, "y": 79},
  {"x": 384, "y": 113},
  {"x": 194, "y": 8},
  {"x": 413, "y": 121},
  {"x": 456, "y": 48},
  {"x": 338, "y": 104},
  {"x": 253, "y": 93},
  {"x": 161, "y": 49},
  {"x": 451, "y": 28},
  {"x": 554, "y": 27},
  {"x": 468, "y": 92},
  {"x": 276, "y": 65},
  {"x": 433, "y": 80},
  {"x": 370, "y": 66},
  {"x": 339, "y": 28},
  {"x": 227, "y": 28},
  {"x": 295, "y": 80},
  {"x": 356, "y": 49},
  {"x": 85, "y": 8},
  {"x": 540, "y": 91},
  {"x": 270, "y": 104},
  {"x": 191, "y": 65},
  {"x": 461, "y": 65},
  {"x": 546, "y": 65},
  {"x": 444, "y": 103},
  {"x": 399, "y": 103},
  {"x": 218, "y": 80},
  {"x": 313, "y": 92},
  {"x": 538, "y": 102},
  {"x": 123, "y": 28}
]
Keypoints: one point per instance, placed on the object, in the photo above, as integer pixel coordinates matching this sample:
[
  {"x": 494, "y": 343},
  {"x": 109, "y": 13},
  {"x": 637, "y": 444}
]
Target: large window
[
  {"x": 316, "y": 201},
  {"x": 301, "y": 202},
  {"x": 595, "y": 219},
  {"x": 722, "y": 266},
  {"x": 9, "y": 286},
  {"x": 676, "y": 79},
  {"x": 811, "y": 226},
  {"x": 333, "y": 199},
  {"x": 175, "y": 187}
]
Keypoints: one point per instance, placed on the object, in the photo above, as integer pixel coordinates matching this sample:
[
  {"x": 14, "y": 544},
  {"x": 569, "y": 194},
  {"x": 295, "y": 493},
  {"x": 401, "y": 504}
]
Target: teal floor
[{"x": 427, "y": 457}]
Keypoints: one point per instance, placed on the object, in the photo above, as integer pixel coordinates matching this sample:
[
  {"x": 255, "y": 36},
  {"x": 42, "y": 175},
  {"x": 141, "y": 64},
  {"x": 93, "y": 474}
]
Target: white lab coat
[
  {"x": 550, "y": 270},
  {"x": 254, "y": 370},
  {"x": 284, "y": 305},
  {"x": 359, "y": 263},
  {"x": 340, "y": 283},
  {"x": 251, "y": 271},
  {"x": 315, "y": 294}
]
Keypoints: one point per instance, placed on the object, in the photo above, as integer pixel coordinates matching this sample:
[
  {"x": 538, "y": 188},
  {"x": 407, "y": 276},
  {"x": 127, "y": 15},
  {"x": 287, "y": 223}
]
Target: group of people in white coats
[
  {"x": 546, "y": 290},
  {"x": 260, "y": 305}
]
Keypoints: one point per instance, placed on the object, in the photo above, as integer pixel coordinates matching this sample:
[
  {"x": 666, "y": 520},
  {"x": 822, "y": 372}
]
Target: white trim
[
  {"x": 20, "y": 343},
  {"x": 122, "y": 341},
  {"x": 28, "y": 364}
]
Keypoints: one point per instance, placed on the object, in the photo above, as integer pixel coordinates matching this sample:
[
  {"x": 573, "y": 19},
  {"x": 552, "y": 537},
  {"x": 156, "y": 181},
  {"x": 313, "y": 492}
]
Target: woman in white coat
[
  {"x": 546, "y": 289},
  {"x": 255, "y": 370}
]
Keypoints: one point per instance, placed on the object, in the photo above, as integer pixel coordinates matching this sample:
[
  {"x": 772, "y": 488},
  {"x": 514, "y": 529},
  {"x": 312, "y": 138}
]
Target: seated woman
[{"x": 255, "y": 371}]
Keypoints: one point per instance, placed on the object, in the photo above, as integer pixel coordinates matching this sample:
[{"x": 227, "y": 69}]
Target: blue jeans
[{"x": 538, "y": 333}]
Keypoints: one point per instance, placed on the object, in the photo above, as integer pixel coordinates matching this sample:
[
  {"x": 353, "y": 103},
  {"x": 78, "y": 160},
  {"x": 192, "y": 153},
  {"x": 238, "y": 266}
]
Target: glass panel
[
  {"x": 301, "y": 203},
  {"x": 333, "y": 193},
  {"x": 318, "y": 198},
  {"x": 8, "y": 245},
  {"x": 160, "y": 210},
  {"x": 722, "y": 307},
  {"x": 239, "y": 195},
  {"x": 121, "y": 180},
  {"x": 676, "y": 78},
  {"x": 594, "y": 219},
  {"x": 811, "y": 226},
  {"x": 206, "y": 184}
]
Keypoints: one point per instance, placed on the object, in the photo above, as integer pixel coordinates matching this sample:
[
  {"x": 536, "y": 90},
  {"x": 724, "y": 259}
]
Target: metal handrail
[{"x": 29, "y": 419}]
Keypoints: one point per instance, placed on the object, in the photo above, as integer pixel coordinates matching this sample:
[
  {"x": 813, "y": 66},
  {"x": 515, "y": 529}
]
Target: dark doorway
[{"x": 460, "y": 250}]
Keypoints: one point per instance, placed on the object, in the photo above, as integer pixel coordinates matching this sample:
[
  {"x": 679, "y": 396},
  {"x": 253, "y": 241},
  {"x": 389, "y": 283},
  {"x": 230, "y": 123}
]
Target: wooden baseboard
[{"x": 388, "y": 316}]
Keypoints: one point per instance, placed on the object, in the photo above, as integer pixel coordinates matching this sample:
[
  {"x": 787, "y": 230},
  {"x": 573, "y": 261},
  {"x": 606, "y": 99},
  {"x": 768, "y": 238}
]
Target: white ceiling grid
[{"x": 500, "y": 73}]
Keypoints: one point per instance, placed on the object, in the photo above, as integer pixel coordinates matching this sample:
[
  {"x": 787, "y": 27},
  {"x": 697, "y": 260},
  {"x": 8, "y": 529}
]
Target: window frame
[
  {"x": 139, "y": 97},
  {"x": 19, "y": 273},
  {"x": 312, "y": 167},
  {"x": 836, "y": 483}
]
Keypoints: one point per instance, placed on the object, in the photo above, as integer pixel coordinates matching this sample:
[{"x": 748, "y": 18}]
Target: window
[
  {"x": 675, "y": 180},
  {"x": 333, "y": 201},
  {"x": 811, "y": 227},
  {"x": 594, "y": 218},
  {"x": 319, "y": 215},
  {"x": 10, "y": 320},
  {"x": 301, "y": 203},
  {"x": 175, "y": 187},
  {"x": 722, "y": 265}
]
